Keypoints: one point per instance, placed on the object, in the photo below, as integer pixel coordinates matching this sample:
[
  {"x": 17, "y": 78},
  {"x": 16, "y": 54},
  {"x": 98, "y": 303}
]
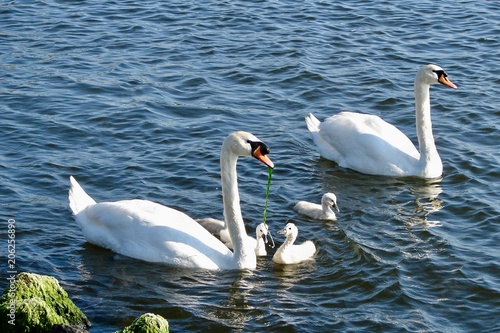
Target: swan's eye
[
  {"x": 264, "y": 149},
  {"x": 253, "y": 144},
  {"x": 440, "y": 73}
]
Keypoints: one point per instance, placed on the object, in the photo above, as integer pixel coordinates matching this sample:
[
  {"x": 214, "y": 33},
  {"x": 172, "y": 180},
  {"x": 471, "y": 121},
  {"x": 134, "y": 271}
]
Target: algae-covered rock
[
  {"x": 35, "y": 303},
  {"x": 147, "y": 323},
  {"x": 63, "y": 328}
]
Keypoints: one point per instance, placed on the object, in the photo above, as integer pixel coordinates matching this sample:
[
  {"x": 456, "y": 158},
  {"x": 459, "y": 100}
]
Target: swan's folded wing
[
  {"x": 149, "y": 231},
  {"x": 367, "y": 143}
]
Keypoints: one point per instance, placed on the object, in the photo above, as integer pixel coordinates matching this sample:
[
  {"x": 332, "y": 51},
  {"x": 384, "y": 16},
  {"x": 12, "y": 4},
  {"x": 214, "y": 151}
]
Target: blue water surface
[{"x": 134, "y": 99}]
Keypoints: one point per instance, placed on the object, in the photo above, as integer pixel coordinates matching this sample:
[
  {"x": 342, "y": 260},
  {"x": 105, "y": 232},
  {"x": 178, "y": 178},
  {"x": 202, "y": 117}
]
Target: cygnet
[
  {"x": 319, "y": 212},
  {"x": 289, "y": 253},
  {"x": 261, "y": 235}
]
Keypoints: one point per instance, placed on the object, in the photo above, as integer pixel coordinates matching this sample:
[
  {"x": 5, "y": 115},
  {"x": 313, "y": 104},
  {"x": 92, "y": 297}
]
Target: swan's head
[
  {"x": 432, "y": 74},
  {"x": 330, "y": 200},
  {"x": 261, "y": 232},
  {"x": 246, "y": 144},
  {"x": 290, "y": 231}
]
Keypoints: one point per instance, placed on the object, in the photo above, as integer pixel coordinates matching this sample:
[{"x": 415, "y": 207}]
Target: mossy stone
[
  {"x": 35, "y": 303},
  {"x": 147, "y": 323}
]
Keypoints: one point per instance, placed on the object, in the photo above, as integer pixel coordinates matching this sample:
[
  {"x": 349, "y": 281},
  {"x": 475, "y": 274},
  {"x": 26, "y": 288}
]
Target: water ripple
[{"x": 134, "y": 98}]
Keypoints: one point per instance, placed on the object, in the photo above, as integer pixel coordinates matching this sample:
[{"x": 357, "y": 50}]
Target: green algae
[
  {"x": 147, "y": 323},
  {"x": 269, "y": 176},
  {"x": 35, "y": 303}
]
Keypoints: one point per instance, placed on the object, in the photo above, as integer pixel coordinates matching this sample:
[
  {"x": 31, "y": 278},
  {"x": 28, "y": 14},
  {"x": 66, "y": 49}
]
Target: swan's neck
[
  {"x": 290, "y": 239},
  {"x": 261, "y": 246},
  {"x": 244, "y": 254},
  {"x": 260, "y": 243},
  {"x": 429, "y": 162},
  {"x": 327, "y": 209}
]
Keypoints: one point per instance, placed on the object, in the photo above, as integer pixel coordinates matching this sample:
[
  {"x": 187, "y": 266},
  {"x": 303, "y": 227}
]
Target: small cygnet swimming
[
  {"x": 319, "y": 212},
  {"x": 289, "y": 253},
  {"x": 261, "y": 236}
]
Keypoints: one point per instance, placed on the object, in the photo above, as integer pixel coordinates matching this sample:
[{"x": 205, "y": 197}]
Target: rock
[
  {"x": 35, "y": 303},
  {"x": 147, "y": 323},
  {"x": 62, "y": 328}
]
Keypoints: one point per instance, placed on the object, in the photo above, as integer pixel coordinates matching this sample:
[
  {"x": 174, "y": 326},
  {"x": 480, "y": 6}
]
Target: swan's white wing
[
  {"x": 367, "y": 144},
  {"x": 149, "y": 231}
]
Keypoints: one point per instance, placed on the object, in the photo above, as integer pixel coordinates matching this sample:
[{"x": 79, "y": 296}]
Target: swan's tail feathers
[
  {"x": 78, "y": 199},
  {"x": 312, "y": 123}
]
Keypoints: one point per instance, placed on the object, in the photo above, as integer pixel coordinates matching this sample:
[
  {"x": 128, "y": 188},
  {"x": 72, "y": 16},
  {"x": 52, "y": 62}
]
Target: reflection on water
[
  {"x": 233, "y": 308},
  {"x": 426, "y": 202},
  {"x": 366, "y": 192},
  {"x": 427, "y": 198},
  {"x": 218, "y": 297}
]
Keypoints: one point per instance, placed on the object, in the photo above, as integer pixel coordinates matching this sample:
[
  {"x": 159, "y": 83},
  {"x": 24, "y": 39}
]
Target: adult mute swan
[
  {"x": 288, "y": 253},
  {"x": 319, "y": 212},
  {"x": 152, "y": 232},
  {"x": 368, "y": 144},
  {"x": 217, "y": 228}
]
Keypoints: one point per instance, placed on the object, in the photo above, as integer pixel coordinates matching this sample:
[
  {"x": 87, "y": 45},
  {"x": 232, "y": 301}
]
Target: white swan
[
  {"x": 288, "y": 253},
  {"x": 217, "y": 228},
  {"x": 148, "y": 231},
  {"x": 319, "y": 212},
  {"x": 368, "y": 144}
]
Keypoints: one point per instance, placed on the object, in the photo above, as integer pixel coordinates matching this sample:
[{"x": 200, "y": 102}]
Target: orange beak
[
  {"x": 263, "y": 158},
  {"x": 444, "y": 80}
]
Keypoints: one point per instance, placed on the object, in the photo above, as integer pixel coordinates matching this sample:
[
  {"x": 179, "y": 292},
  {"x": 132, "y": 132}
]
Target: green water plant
[{"x": 270, "y": 173}]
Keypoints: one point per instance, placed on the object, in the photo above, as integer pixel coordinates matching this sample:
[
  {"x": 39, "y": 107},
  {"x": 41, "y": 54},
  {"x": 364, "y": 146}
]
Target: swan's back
[
  {"x": 319, "y": 212},
  {"x": 295, "y": 254},
  {"x": 148, "y": 231},
  {"x": 363, "y": 129},
  {"x": 310, "y": 209},
  {"x": 314, "y": 211},
  {"x": 365, "y": 143}
]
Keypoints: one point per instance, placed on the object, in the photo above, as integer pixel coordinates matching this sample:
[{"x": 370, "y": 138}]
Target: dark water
[{"x": 134, "y": 98}]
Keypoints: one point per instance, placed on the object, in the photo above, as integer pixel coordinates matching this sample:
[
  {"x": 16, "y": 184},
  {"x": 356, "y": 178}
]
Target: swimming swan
[
  {"x": 152, "y": 232},
  {"x": 261, "y": 237},
  {"x": 216, "y": 227},
  {"x": 288, "y": 253},
  {"x": 319, "y": 212},
  {"x": 369, "y": 145}
]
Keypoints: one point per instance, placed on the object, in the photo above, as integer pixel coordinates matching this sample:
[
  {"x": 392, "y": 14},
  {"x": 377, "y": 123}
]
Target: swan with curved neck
[
  {"x": 290, "y": 253},
  {"x": 368, "y": 144},
  {"x": 152, "y": 232},
  {"x": 319, "y": 212}
]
